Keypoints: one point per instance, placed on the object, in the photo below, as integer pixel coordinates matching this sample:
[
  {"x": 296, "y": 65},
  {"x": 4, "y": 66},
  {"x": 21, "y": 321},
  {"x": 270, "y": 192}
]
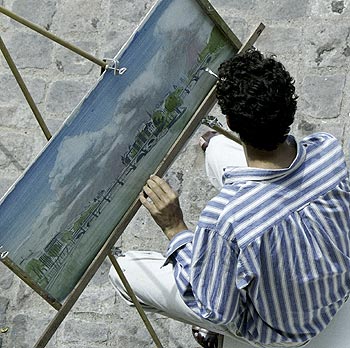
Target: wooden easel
[{"x": 202, "y": 111}]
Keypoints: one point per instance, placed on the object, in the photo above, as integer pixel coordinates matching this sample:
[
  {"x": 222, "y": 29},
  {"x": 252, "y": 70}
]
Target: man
[{"x": 269, "y": 260}]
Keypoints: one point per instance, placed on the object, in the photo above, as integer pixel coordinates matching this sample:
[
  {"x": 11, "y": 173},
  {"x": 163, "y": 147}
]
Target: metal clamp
[
  {"x": 211, "y": 72},
  {"x": 113, "y": 64},
  {"x": 211, "y": 121},
  {"x": 4, "y": 329},
  {"x": 117, "y": 251},
  {"x": 3, "y": 254}
]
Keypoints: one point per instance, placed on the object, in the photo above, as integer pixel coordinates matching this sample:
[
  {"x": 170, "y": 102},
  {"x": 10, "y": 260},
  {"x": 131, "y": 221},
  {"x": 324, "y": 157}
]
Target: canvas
[{"x": 57, "y": 216}]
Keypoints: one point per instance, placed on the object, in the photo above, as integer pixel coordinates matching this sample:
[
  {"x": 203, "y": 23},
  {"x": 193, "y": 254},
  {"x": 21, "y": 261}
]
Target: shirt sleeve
[{"x": 205, "y": 273}]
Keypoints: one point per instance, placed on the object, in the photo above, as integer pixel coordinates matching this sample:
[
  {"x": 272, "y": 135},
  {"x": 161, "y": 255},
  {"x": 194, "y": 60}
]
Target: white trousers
[
  {"x": 155, "y": 288},
  {"x": 154, "y": 284},
  {"x": 220, "y": 154}
]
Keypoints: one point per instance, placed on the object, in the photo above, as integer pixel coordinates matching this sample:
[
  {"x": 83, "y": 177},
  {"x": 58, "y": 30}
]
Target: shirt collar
[{"x": 236, "y": 174}]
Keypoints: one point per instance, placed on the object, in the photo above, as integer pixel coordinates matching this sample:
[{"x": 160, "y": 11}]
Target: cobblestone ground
[{"x": 311, "y": 37}]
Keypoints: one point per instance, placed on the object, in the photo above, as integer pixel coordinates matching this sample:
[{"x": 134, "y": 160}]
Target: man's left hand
[{"x": 163, "y": 204}]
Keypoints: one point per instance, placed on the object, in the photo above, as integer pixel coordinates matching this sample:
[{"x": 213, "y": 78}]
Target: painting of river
[{"x": 57, "y": 216}]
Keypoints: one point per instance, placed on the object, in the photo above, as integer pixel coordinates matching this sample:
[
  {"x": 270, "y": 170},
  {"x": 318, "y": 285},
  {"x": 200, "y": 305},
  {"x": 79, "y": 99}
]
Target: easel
[{"x": 202, "y": 111}]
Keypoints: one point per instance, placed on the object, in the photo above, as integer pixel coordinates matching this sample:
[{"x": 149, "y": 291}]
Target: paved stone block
[
  {"x": 239, "y": 26},
  {"x": 234, "y": 5},
  {"x": 233, "y": 13},
  {"x": 347, "y": 144},
  {"x": 81, "y": 330},
  {"x": 64, "y": 96},
  {"x": 78, "y": 16},
  {"x": 302, "y": 127},
  {"x": 20, "y": 117},
  {"x": 305, "y": 125},
  {"x": 6, "y": 22},
  {"x": 29, "y": 50},
  {"x": 7, "y": 115},
  {"x": 130, "y": 11},
  {"x": 122, "y": 23},
  {"x": 69, "y": 63},
  {"x": 330, "y": 9},
  {"x": 17, "y": 150},
  {"x": 5, "y": 184},
  {"x": 54, "y": 124},
  {"x": 283, "y": 9},
  {"x": 131, "y": 333},
  {"x": 322, "y": 95},
  {"x": 4, "y": 302},
  {"x": 280, "y": 40},
  {"x": 327, "y": 46},
  {"x": 25, "y": 330},
  {"x": 143, "y": 234},
  {"x": 99, "y": 298},
  {"x": 6, "y": 278},
  {"x": 338, "y": 6},
  {"x": 114, "y": 40},
  {"x": 345, "y": 108},
  {"x": 18, "y": 331},
  {"x": 182, "y": 340},
  {"x": 36, "y": 11},
  {"x": 11, "y": 92}
]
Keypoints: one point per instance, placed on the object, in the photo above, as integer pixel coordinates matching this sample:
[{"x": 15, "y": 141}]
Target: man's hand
[{"x": 163, "y": 204}]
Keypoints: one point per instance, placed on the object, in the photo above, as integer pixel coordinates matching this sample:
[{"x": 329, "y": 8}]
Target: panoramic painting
[{"x": 57, "y": 216}]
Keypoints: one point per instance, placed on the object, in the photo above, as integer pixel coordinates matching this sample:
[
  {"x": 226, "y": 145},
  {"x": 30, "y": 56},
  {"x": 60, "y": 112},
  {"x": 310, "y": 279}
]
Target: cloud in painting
[
  {"x": 85, "y": 164},
  {"x": 180, "y": 14},
  {"x": 143, "y": 91},
  {"x": 181, "y": 37}
]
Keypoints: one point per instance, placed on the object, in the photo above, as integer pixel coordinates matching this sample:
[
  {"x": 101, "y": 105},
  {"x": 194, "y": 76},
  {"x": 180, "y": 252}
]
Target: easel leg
[
  {"x": 135, "y": 300},
  {"x": 24, "y": 89}
]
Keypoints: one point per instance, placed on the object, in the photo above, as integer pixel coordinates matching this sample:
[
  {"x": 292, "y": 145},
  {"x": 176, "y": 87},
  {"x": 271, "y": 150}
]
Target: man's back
[{"x": 289, "y": 231}]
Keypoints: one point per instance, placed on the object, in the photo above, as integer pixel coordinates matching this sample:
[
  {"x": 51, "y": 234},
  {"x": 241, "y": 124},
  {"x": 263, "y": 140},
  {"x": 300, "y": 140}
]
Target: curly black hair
[{"x": 257, "y": 95}]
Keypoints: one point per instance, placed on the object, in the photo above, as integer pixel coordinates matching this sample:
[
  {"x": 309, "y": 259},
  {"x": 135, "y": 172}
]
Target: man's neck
[{"x": 280, "y": 158}]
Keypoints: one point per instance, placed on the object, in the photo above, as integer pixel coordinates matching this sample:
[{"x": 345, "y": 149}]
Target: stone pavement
[{"x": 311, "y": 37}]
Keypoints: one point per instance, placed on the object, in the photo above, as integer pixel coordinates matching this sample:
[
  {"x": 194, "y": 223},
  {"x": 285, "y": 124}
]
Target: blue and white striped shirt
[{"x": 270, "y": 257}]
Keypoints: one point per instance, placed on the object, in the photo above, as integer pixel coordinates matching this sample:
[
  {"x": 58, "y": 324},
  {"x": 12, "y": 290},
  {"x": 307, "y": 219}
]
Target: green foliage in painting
[
  {"x": 173, "y": 100},
  {"x": 35, "y": 269},
  {"x": 216, "y": 41}
]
